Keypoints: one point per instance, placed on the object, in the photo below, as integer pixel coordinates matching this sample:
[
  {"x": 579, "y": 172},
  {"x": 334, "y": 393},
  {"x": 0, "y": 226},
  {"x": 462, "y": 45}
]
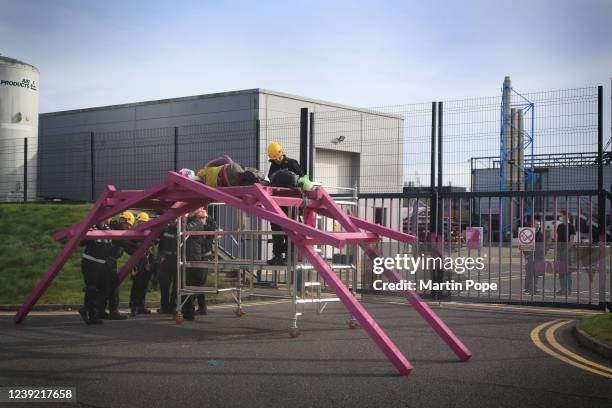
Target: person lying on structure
[{"x": 225, "y": 172}]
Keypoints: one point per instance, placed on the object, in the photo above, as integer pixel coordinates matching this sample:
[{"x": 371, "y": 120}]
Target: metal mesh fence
[
  {"x": 562, "y": 124},
  {"x": 199, "y": 144},
  {"x": 65, "y": 167},
  {"x": 285, "y": 131},
  {"x": 377, "y": 150},
  {"x": 17, "y": 172}
]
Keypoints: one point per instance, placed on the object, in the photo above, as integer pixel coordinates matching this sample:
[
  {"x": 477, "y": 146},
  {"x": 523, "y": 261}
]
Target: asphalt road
[{"x": 221, "y": 360}]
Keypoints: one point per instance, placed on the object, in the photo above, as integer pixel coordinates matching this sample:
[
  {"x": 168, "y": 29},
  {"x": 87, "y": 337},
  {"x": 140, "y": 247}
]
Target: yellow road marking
[
  {"x": 535, "y": 338},
  {"x": 536, "y": 309},
  {"x": 553, "y": 342}
]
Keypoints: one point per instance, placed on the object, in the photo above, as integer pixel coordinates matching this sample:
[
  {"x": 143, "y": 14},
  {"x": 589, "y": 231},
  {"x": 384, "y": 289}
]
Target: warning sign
[{"x": 526, "y": 239}]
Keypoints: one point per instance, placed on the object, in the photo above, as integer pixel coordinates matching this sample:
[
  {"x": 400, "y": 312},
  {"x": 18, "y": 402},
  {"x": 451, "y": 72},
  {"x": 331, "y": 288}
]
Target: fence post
[
  {"x": 601, "y": 203},
  {"x": 602, "y": 270},
  {"x": 257, "y": 143},
  {"x": 25, "y": 169},
  {"x": 92, "y": 157},
  {"x": 311, "y": 146},
  {"x": 175, "y": 148},
  {"x": 433, "y": 202},
  {"x": 304, "y": 139},
  {"x": 440, "y": 181}
]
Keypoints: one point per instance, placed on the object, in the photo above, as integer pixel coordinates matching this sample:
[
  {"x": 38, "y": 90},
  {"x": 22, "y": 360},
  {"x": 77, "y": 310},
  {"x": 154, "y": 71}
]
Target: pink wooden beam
[
  {"x": 221, "y": 196},
  {"x": 135, "y": 257},
  {"x": 177, "y": 210},
  {"x": 368, "y": 226},
  {"x": 375, "y": 332},
  {"x": 366, "y": 321},
  {"x": 350, "y": 237},
  {"x": 310, "y": 217},
  {"x": 117, "y": 208},
  {"x": 157, "y": 226},
  {"x": 115, "y": 234},
  {"x": 415, "y": 300},
  {"x": 63, "y": 256}
]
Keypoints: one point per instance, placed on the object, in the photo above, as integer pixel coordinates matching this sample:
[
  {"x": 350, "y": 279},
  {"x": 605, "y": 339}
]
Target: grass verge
[
  {"x": 27, "y": 250},
  {"x": 599, "y": 326}
]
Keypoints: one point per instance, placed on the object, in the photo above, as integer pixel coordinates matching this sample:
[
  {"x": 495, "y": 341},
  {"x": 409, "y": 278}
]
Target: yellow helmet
[
  {"x": 143, "y": 217},
  {"x": 128, "y": 217},
  {"x": 275, "y": 151}
]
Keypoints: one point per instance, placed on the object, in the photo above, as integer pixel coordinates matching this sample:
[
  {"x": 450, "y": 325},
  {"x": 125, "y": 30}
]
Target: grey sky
[{"x": 359, "y": 53}]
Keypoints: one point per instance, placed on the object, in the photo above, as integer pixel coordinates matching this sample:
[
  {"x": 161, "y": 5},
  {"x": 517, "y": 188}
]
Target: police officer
[
  {"x": 167, "y": 269},
  {"x": 141, "y": 275},
  {"x": 94, "y": 266},
  {"x": 278, "y": 161},
  {"x": 126, "y": 221},
  {"x": 209, "y": 224},
  {"x": 199, "y": 248}
]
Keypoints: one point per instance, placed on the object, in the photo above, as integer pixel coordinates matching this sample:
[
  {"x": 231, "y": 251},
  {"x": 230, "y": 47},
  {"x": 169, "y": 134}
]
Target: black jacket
[
  {"x": 289, "y": 164},
  {"x": 120, "y": 246},
  {"x": 167, "y": 242},
  {"x": 199, "y": 246},
  {"x": 99, "y": 248}
]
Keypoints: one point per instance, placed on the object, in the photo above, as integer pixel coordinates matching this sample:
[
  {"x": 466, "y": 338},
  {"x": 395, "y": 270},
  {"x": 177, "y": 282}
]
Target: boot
[
  {"x": 203, "y": 310},
  {"x": 84, "y": 315},
  {"x": 94, "y": 318},
  {"x": 142, "y": 309},
  {"x": 277, "y": 260},
  {"x": 115, "y": 315}
]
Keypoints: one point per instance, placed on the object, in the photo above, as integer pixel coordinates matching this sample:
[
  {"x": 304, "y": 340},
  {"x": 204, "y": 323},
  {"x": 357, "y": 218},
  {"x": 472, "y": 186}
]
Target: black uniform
[
  {"x": 199, "y": 248},
  {"x": 279, "y": 242},
  {"x": 167, "y": 269},
  {"x": 95, "y": 269},
  {"x": 287, "y": 163},
  {"x": 141, "y": 278},
  {"x": 111, "y": 281}
]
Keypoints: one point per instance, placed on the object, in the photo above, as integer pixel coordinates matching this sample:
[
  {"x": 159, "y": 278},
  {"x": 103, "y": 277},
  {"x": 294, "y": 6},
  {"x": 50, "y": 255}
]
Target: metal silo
[{"x": 18, "y": 129}]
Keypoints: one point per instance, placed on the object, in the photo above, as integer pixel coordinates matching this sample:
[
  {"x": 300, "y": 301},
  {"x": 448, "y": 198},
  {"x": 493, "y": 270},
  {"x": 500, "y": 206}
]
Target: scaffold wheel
[
  {"x": 239, "y": 312},
  {"x": 294, "y": 332},
  {"x": 179, "y": 319}
]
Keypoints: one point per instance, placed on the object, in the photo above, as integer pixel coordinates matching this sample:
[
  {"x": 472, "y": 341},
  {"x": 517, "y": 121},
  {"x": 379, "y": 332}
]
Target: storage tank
[{"x": 18, "y": 130}]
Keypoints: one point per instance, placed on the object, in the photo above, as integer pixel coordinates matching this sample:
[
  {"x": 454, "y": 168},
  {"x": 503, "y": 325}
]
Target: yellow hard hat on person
[
  {"x": 128, "y": 217},
  {"x": 143, "y": 217},
  {"x": 275, "y": 151}
]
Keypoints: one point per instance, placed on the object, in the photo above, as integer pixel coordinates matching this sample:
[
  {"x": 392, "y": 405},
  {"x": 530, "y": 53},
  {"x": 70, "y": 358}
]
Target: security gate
[{"x": 484, "y": 227}]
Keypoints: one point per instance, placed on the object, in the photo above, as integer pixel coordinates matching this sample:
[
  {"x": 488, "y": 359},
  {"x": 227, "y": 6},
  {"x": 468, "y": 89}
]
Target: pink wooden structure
[{"x": 178, "y": 195}]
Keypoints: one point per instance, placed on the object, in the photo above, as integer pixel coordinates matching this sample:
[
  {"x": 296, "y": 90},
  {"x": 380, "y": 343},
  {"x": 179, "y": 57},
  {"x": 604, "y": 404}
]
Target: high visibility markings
[{"x": 556, "y": 350}]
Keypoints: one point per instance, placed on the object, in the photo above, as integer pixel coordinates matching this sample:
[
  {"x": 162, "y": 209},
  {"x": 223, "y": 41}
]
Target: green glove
[{"x": 306, "y": 184}]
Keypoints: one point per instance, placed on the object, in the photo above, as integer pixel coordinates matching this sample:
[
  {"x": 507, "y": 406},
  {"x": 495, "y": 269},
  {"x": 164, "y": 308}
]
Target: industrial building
[
  {"x": 552, "y": 173},
  {"x": 133, "y": 145}
]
